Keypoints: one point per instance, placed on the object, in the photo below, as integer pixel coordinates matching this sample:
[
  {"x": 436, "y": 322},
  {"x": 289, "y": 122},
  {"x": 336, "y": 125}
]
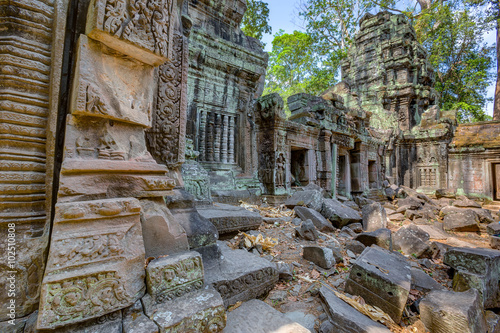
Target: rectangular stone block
[
  {"x": 138, "y": 29},
  {"x": 476, "y": 268},
  {"x": 198, "y": 311},
  {"x": 175, "y": 275},
  {"x": 96, "y": 261},
  {"x": 110, "y": 85},
  {"x": 228, "y": 218},
  {"x": 383, "y": 279}
]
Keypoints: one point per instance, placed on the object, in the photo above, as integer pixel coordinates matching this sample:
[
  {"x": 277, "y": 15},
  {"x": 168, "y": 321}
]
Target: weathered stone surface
[
  {"x": 256, "y": 316},
  {"x": 355, "y": 246},
  {"x": 463, "y": 201},
  {"x": 423, "y": 282},
  {"x": 311, "y": 199},
  {"x": 339, "y": 214},
  {"x": 319, "y": 221},
  {"x": 466, "y": 220},
  {"x": 307, "y": 231},
  {"x": 434, "y": 232},
  {"x": 200, "y": 231},
  {"x": 484, "y": 215},
  {"x": 477, "y": 269},
  {"x": 96, "y": 261},
  {"x": 492, "y": 322},
  {"x": 346, "y": 319},
  {"x": 374, "y": 217},
  {"x": 135, "y": 321},
  {"x": 356, "y": 227},
  {"x": 284, "y": 271},
  {"x": 398, "y": 217},
  {"x": 383, "y": 279},
  {"x": 411, "y": 202},
  {"x": 495, "y": 242},
  {"x": 109, "y": 323},
  {"x": 381, "y": 237},
  {"x": 199, "y": 311},
  {"x": 493, "y": 228},
  {"x": 447, "y": 311},
  {"x": 144, "y": 34},
  {"x": 175, "y": 275},
  {"x": 162, "y": 234},
  {"x": 13, "y": 325},
  {"x": 240, "y": 276},
  {"x": 412, "y": 241},
  {"x": 228, "y": 218},
  {"x": 321, "y": 256}
]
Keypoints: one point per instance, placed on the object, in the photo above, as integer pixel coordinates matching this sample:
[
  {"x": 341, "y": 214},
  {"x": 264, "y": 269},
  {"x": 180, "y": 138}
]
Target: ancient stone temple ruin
[{"x": 123, "y": 121}]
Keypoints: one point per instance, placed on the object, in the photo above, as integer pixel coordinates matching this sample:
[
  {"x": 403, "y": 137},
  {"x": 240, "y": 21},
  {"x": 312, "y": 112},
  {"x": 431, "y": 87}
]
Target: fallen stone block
[
  {"x": 463, "y": 201},
  {"x": 355, "y": 246},
  {"x": 346, "y": 319},
  {"x": 339, "y": 214},
  {"x": 381, "y": 237},
  {"x": 492, "y": 322},
  {"x": 398, "y": 217},
  {"x": 420, "y": 280},
  {"x": 240, "y": 275},
  {"x": 412, "y": 241},
  {"x": 284, "y": 271},
  {"x": 434, "y": 232},
  {"x": 308, "y": 198},
  {"x": 256, "y": 316},
  {"x": 198, "y": 311},
  {"x": 374, "y": 217},
  {"x": 476, "y": 268},
  {"x": 175, "y": 275},
  {"x": 466, "y": 220},
  {"x": 383, "y": 279},
  {"x": 493, "y": 228},
  {"x": 484, "y": 215},
  {"x": 317, "y": 219},
  {"x": 321, "y": 256},
  {"x": 411, "y": 202},
  {"x": 356, "y": 227},
  {"x": 307, "y": 231},
  {"x": 444, "y": 311},
  {"x": 227, "y": 218}
]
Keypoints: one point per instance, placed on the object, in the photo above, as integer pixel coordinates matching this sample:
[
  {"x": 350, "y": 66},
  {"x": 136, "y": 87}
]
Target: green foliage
[
  {"x": 295, "y": 67},
  {"x": 255, "y": 21},
  {"x": 452, "y": 33}
]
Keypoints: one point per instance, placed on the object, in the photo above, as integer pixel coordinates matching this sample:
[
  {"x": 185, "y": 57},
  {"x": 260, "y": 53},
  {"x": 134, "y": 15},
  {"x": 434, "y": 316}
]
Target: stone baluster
[
  {"x": 225, "y": 131},
  {"x": 210, "y": 138},
  {"x": 231, "y": 139},
  {"x": 203, "y": 133},
  {"x": 218, "y": 130}
]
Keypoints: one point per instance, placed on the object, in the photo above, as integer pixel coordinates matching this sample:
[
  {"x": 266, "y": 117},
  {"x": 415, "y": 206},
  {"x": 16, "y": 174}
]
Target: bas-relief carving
[
  {"x": 95, "y": 262},
  {"x": 166, "y": 137},
  {"x": 171, "y": 277},
  {"x": 139, "y": 28},
  {"x": 110, "y": 85},
  {"x": 206, "y": 321}
]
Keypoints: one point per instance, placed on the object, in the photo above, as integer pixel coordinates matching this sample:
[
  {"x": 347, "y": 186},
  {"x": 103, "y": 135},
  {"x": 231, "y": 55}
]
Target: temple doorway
[{"x": 299, "y": 167}]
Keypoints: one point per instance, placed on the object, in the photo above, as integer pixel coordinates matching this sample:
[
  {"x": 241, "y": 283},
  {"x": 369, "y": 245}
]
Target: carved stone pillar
[
  {"x": 225, "y": 132},
  {"x": 202, "y": 134},
  {"x": 231, "y": 147},
  {"x": 218, "y": 132},
  {"x": 210, "y": 137}
]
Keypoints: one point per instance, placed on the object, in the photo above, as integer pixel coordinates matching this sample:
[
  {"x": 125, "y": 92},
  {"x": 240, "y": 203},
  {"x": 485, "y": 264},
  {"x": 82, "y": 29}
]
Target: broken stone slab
[
  {"x": 228, "y": 218},
  {"x": 412, "y": 241},
  {"x": 346, "y": 319},
  {"x": 135, "y": 321},
  {"x": 319, "y": 221},
  {"x": 423, "y": 282},
  {"x": 466, "y": 220},
  {"x": 96, "y": 261},
  {"x": 444, "y": 311},
  {"x": 346, "y": 232},
  {"x": 351, "y": 204},
  {"x": 339, "y": 214},
  {"x": 463, "y": 201},
  {"x": 484, "y": 215},
  {"x": 240, "y": 275},
  {"x": 411, "y": 202},
  {"x": 493, "y": 228},
  {"x": 256, "y": 316},
  {"x": 492, "y": 321},
  {"x": 381, "y": 237},
  {"x": 109, "y": 323},
  {"x": 199, "y": 230},
  {"x": 321, "y": 256},
  {"x": 495, "y": 242},
  {"x": 356, "y": 227},
  {"x": 383, "y": 279},
  {"x": 307, "y": 231},
  {"x": 198, "y": 311},
  {"x": 374, "y": 217},
  {"x": 309, "y": 198},
  {"x": 307, "y": 320},
  {"x": 434, "y": 232},
  {"x": 398, "y": 217},
  {"x": 476, "y": 268},
  {"x": 174, "y": 275},
  {"x": 355, "y": 246},
  {"x": 162, "y": 234},
  {"x": 284, "y": 271}
]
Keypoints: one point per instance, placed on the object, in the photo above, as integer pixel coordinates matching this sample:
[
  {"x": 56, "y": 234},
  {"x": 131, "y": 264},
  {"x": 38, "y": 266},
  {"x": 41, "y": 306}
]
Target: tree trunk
[{"x": 496, "y": 105}]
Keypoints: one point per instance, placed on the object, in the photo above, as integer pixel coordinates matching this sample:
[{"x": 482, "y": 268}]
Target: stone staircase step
[
  {"x": 240, "y": 275},
  {"x": 198, "y": 311}
]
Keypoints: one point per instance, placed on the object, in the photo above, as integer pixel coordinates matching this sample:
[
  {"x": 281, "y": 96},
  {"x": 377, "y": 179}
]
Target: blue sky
[{"x": 283, "y": 14}]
